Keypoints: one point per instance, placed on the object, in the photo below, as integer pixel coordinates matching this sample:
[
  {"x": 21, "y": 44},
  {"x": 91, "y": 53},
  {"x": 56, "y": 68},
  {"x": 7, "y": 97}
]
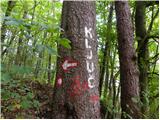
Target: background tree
[
  {"x": 140, "y": 25},
  {"x": 129, "y": 75},
  {"x": 143, "y": 36},
  {"x": 10, "y": 6}
]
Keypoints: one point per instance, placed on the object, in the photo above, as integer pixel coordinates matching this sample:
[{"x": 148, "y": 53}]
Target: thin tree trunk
[
  {"x": 49, "y": 68},
  {"x": 18, "y": 58},
  {"x": 4, "y": 52},
  {"x": 105, "y": 62},
  {"x": 38, "y": 64},
  {"x": 25, "y": 57},
  {"x": 11, "y": 5},
  {"x": 113, "y": 78},
  {"x": 129, "y": 75},
  {"x": 140, "y": 23},
  {"x": 76, "y": 93}
]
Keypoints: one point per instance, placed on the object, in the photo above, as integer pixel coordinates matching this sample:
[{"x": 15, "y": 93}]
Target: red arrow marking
[{"x": 69, "y": 64}]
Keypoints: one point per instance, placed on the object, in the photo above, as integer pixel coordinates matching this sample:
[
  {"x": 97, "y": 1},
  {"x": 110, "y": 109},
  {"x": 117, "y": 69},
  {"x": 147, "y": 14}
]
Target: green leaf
[
  {"x": 6, "y": 95},
  {"x": 21, "y": 69},
  {"x": 15, "y": 95},
  {"x": 14, "y": 23},
  {"x": 40, "y": 48},
  {"x": 36, "y": 103},
  {"x": 30, "y": 95},
  {"x": 51, "y": 50},
  {"x": 43, "y": 26},
  {"x": 25, "y": 104},
  {"x": 65, "y": 43},
  {"x": 5, "y": 77}
]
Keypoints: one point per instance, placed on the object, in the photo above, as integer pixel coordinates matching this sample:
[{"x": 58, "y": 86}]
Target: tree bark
[
  {"x": 142, "y": 54},
  {"x": 129, "y": 75},
  {"x": 49, "y": 68},
  {"x": 11, "y": 5},
  {"x": 76, "y": 93},
  {"x": 113, "y": 79}
]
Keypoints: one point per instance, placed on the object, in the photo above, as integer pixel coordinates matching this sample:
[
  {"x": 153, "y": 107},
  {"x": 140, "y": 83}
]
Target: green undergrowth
[{"x": 22, "y": 97}]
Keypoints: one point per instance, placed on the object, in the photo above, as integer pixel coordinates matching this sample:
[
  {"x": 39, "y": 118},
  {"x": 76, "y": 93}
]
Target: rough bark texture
[
  {"x": 129, "y": 75},
  {"x": 142, "y": 53},
  {"x": 73, "y": 98}
]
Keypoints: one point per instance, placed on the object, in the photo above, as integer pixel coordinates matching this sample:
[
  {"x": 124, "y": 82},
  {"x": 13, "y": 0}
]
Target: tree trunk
[
  {"x": 105, "y": 65},
  {"x": 9, "y": 42},
  {"x": 129, "y": 75},
  {"x": 142, "y": 53},
  {"x": 11, "y": 5},
  {"x": 49, "y": 68},
  {"x": 20, "y": 47},
  {"x": 38, "y": 63},
  {"x": 76, "y": 93},
  {"x": 113, "y": 79}
]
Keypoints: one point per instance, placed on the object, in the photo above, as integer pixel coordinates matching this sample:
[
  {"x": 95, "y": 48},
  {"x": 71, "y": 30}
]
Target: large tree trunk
[
  {"x": 76, "y": 93},
  {"x": 129, "y": 76},
  {"x": 142, "y": 53}
]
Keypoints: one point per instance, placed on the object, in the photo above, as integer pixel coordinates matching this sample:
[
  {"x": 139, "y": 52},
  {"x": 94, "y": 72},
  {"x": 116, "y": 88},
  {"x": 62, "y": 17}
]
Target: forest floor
[{"x": 41, "y": 92}]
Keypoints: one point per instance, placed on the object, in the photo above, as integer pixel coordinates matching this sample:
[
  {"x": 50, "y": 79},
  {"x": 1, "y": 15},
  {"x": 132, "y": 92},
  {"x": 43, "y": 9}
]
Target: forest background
[{"x": 30, "y": 34}]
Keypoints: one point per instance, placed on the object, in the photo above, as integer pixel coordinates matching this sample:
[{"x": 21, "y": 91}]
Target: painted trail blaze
[{"x": 68, "y": 64}]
